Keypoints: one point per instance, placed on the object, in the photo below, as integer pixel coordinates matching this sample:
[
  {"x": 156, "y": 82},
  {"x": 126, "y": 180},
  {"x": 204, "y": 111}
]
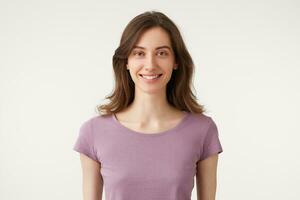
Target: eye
[
  {"x": 164, "y": 53},
  {"x": 138, "y": 53}
]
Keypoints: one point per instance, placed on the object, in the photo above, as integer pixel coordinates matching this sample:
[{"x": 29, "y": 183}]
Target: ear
[{"x": 175, "y": 66}]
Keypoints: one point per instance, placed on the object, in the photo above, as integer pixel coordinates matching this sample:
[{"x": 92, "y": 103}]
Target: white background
[{"x": 56, "y": 66}]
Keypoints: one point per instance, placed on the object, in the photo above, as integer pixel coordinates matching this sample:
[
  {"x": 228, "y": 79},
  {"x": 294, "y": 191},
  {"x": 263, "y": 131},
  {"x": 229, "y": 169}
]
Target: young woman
[{"x": 152, "y": 138}]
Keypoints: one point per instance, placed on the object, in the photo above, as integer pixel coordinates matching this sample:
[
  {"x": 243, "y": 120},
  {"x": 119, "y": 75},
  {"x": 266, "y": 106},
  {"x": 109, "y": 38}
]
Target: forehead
[{"x": 154, "y": 38}]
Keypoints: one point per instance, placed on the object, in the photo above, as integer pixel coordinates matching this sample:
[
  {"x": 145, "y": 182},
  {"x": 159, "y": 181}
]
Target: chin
[{"x": 152, "y": 90}]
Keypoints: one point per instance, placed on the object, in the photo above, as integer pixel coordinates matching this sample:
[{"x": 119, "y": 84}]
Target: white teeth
[{"x": 150, "y": 77}]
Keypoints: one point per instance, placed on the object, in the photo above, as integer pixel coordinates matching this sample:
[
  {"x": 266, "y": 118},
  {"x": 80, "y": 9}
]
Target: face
[{"x": 152, "y": 56}]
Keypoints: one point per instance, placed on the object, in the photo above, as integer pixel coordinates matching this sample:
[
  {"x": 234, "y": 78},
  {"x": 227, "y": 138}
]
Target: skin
[
  {"x": 148, "y": 107},
  {"x": 92, "y": 183},
  {"x": 206, "y": 178}
]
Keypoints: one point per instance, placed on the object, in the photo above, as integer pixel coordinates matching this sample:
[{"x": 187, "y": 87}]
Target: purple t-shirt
[{"x": 143, "y": 166}]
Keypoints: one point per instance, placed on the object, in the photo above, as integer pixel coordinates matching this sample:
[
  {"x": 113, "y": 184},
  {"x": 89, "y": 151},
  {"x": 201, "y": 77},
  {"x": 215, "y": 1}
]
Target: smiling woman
[
  {"x": 152, "y": 138},
  {"x": 153, "y": 40},
  {"x": 152, "y": 61}
]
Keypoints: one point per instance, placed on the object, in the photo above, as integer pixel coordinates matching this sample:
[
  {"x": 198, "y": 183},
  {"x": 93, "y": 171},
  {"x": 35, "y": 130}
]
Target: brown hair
[{"x": 179, "y": 92}]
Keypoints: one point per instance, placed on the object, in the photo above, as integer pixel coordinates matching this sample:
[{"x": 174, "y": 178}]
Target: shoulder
[
  {"x": 87, "y": 123},
  {"x": 95, "y": 119},
  {"x": 96, "y": 123},
  {"x": 202, "y": 119}
]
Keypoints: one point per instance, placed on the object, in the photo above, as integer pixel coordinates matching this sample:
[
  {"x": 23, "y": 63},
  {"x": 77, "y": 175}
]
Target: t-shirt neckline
[{"x": 142, "y": 134}]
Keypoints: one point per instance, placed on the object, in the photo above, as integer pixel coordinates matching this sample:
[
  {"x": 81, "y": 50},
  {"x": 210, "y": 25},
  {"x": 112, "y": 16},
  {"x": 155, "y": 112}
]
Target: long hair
[{"x": 179, "y": 88}]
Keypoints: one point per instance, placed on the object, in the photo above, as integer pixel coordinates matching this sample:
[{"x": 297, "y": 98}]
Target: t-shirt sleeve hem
[
  {"x": 86, "y": 153},
  {"x": 211, "y": 153}
]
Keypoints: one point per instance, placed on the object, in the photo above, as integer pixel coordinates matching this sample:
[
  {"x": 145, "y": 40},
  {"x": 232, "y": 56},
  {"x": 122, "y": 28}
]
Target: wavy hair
[{"x": 179, "y": 88}]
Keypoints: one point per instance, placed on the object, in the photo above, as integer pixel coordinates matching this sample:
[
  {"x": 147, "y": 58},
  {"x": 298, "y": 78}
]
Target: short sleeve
[
  {"x": 84, "y": 143},
  {"x": 212, "y": 144}
]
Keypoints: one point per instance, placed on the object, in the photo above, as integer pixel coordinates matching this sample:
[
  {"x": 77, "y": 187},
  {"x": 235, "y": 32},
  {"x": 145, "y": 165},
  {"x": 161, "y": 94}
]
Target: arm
[
  {"x": 206, "y": 178},
  {"x": 91, "y": 178}
]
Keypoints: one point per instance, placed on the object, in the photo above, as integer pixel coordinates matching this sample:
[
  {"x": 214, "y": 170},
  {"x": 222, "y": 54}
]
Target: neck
[{"x": 150, "y": 106}]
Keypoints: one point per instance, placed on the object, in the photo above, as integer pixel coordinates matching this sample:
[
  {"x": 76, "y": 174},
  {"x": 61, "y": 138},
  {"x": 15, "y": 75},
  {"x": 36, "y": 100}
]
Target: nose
[{"x": 150, "y": 62}]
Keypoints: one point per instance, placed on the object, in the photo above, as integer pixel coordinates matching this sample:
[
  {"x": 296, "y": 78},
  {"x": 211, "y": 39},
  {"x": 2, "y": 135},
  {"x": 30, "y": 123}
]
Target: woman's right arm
[{"x": 92, "y": 182}]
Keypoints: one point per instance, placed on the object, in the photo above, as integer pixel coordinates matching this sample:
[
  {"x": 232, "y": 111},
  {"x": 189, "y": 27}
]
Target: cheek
[
  {"x": 134, "y": 67},
  {"x": 169, "y": 71},
  {"x": 134, "y": 62},
  {"x": 134, "y": 73}
]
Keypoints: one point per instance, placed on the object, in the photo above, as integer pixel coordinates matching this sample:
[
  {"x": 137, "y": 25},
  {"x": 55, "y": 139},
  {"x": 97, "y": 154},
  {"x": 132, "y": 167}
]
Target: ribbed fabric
[{"x": 143, "y": 166}]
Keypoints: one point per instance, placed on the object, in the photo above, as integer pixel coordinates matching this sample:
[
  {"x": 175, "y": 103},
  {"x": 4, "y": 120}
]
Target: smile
[{"x": 150, "y": 77}]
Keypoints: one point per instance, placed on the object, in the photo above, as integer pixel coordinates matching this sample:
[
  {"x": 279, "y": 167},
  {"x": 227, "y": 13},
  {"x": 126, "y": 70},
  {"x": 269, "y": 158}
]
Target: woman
[{"x": 152, "y": 138}]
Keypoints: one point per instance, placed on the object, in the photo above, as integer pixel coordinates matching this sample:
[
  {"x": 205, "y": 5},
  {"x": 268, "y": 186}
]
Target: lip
[
  {"x": 150, "y": 80},
  {"x": 149, "y": 74}
]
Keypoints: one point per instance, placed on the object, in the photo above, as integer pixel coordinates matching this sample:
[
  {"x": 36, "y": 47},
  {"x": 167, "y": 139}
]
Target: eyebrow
[{"x": 161, "y": 47}]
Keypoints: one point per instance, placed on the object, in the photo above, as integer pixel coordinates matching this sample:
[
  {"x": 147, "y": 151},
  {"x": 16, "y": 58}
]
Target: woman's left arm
[{"x": 206, "y": 178}]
